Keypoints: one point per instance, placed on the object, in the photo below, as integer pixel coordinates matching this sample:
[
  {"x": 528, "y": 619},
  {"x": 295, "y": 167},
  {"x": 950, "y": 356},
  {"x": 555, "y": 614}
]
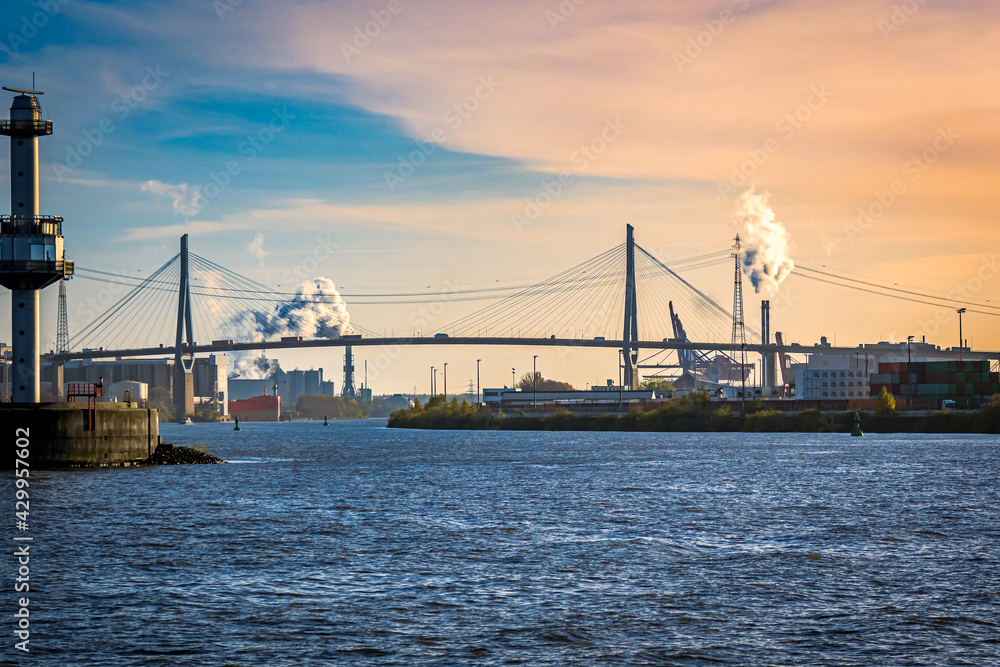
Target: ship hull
[{"x": 256, "y": 409}]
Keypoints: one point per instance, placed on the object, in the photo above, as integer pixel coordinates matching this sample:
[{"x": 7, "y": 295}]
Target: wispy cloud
[{"x": 183, "y": 196}]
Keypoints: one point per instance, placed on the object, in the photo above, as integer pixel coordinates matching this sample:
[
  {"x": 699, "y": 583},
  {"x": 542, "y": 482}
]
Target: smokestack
[{"x": 767, "y": 358}]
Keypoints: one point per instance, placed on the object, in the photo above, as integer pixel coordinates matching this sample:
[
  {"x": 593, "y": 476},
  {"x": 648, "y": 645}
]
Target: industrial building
[
  {"x": 596, "y": 400},
  {"x": 210, "y": 376},
  {"x": 912, "y": 371},
  {"x": 834, "y": 376},
  {"x": 290, "y": 384}
]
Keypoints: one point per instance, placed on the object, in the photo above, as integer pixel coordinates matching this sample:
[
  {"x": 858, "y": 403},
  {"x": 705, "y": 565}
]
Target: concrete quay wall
[{"x": 58, "y": 435}]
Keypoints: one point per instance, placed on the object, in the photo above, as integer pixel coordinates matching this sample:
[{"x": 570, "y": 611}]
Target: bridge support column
[
  {"x": 59, "y": 380},
  {"x": 183, "y": 391}
]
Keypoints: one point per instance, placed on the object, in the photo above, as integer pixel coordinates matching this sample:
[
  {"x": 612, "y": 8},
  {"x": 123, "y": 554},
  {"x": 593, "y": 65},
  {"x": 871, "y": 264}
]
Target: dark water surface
[{"x": 354, "y": 544}]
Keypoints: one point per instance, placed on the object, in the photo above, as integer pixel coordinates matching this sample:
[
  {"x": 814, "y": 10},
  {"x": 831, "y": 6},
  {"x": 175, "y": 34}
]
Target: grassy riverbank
[{"x": 695, "y": 412}]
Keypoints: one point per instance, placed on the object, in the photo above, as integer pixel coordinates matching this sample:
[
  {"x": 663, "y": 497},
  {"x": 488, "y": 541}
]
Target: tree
[
  {"x": 332, "y": 407},
  {"x": 159, "y": 399},
  {"x": 536, "y": 382},
  {"x": 885, "y": 404},
  {"x": 657, "y": 384}
]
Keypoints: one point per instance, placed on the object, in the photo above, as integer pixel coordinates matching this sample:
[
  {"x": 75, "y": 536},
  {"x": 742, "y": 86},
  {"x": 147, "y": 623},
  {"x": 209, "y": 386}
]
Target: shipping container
[{"x": 941, "y": 366}]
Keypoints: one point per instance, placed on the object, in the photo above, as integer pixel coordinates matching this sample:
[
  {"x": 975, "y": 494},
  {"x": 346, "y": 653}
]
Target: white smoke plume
[
  {"x": 316, "y": 311},
  {"x": 766, "y": 252},
  {"x": 246, "y": 366}
]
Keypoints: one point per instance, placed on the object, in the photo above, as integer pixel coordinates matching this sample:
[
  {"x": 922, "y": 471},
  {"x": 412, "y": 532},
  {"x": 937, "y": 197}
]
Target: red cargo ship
[{"x": 257, "y": 409}]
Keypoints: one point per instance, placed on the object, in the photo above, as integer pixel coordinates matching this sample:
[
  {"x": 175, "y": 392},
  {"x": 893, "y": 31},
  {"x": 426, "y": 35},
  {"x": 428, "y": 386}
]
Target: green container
[{"x": 940, "y": 366}]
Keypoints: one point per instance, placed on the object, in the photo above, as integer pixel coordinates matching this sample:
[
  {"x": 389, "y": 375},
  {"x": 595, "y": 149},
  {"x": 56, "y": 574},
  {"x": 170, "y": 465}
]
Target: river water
[{"x": 353, "y": 544}]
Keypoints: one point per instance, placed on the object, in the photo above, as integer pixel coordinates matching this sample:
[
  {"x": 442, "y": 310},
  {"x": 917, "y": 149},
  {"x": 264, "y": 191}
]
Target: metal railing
[
  {"x": 64, "y": 268},
  {"x": 31, "y": 225},
  {"x": 25, "y": 128}
]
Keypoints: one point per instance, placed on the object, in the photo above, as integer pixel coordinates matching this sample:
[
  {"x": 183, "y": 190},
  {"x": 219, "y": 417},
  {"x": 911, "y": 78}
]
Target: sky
[{"x": 398, "y": 146}]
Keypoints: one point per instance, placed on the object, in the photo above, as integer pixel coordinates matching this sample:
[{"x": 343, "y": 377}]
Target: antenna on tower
[
  {"x": 62, "y": 328},
  {"x": 739, "y": 330}
]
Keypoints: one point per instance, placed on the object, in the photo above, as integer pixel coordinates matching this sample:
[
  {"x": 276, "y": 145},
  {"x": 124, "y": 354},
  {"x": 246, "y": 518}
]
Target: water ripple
[{"x": 353, "y": 544}]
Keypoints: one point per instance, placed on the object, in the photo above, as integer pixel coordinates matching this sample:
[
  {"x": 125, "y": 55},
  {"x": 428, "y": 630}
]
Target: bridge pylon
[
  {"x": 630, "y": 353},
  {"x": 183, "y": 389}
]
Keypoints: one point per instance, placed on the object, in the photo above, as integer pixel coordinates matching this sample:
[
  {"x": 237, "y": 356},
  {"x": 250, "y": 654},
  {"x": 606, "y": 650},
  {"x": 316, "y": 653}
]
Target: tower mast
[
  {"x": 739, "y": 330},
  {"x": 62, "y": 328}
]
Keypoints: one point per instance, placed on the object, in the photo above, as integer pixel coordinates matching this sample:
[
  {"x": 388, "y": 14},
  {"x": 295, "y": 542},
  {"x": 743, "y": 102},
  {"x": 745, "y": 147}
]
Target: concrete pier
[{"x": 59, "y": 435}]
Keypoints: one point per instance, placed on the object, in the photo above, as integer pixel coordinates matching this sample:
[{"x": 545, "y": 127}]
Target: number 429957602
[{"x": 21, "y": 465}]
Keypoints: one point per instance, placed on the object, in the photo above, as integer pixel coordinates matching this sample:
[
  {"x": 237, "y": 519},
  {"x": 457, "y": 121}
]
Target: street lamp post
[
  {"x": 534, "y": 383},
  {"x": 512, "y": 379},
  {"x": 435, "y": 381},
  {"x": 743, "y": 378},
  {"x": 909, "y": 385},
  {"x": 446, "y": 381},
  {"x": 432, "y": 381},
  {"x": 961, "y": 341},
  {"x": 621, "y": 379},
  {"x": 478, "y": 391}
]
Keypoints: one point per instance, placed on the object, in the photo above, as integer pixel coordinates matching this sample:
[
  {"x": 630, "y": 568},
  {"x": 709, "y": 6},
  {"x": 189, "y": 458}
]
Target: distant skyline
[{"x": 400, "y": 146}]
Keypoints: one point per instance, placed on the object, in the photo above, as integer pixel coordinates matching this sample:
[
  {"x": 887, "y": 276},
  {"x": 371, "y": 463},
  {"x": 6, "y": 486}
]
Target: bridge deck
[{"x": 967, "y": 355}]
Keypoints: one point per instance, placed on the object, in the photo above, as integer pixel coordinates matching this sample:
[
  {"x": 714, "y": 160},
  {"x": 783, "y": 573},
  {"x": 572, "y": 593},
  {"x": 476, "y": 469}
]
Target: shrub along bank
[{"x": 696, "y": 412}]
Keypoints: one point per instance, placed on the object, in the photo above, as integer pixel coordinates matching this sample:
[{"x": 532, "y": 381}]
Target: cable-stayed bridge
[
  {"x": 624, "y": 298},
  {"x": 624, "y": 294}
]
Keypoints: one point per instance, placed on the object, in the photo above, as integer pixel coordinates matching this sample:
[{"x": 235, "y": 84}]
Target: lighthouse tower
[{"x": 31, "y": 245}]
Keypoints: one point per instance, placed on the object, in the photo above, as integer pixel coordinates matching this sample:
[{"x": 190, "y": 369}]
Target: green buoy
[
  {"x": 857, "y": 426},
  {"x": 237, "y": 427}
]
